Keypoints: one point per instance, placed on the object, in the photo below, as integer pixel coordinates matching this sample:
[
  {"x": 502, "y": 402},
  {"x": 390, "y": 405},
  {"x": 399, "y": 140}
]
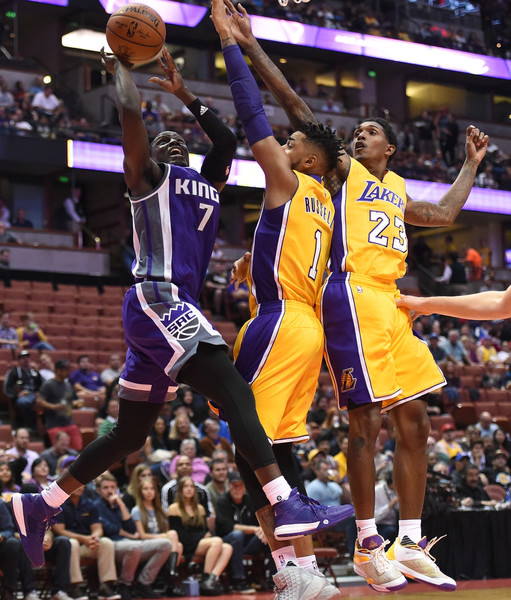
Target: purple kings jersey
[{"x": 174, "y": 231}]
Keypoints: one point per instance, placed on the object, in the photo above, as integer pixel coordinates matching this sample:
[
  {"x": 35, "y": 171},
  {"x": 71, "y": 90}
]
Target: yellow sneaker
[
  {"x": 415, "y": 561},
  {"x": 371, "y": 563}
]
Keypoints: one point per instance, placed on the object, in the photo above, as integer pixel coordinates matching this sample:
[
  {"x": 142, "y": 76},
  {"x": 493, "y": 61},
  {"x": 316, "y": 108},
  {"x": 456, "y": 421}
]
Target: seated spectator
[
  {"x": 188, "y": 518},
  {"x": 152, "y": 523},
  {"x": 218, "y": 484},
  {"x": 40, "y": 479},
  {"x": 6, "y": 98},
  {"x": 8, "y": 336},
  {"x": 31, "y": 336},
  {"x": 237, "y": 297},
  {"x": 13, "y": 560},
  {"x": 158, "y": 446},
  {"x": 471, "y": 492},
  {"x": 56, "y": 398},
  {"x": 330, "y": 493},
  {"x": 212, "y": 440},
  {"x": 454, "y": 349},
  {"x": 477, "y": 455},
  {"x": 161, "y": 107},
  {"x": 437, "y": 351},
  {"x": 6, "y": 236},
  {"x": 504, "y": 354},
  {"x": 5, "y": 263},
  {"x": 485, "y": 425},
  {"x": 21, "y": 220},
  {"x": 113, "y": 371},
  {"x": 21, "y": 384},
  {"x": 217, "y": 281},
  {"x": 169, "y": 490},
  {"x": 331, "y": 106},
  {"x": 45, "y": 102},
  {"x": 491, "y": 380},
  {"x": 236, "y": 523},
  {"x": 486, "y": 351},
  {"x": 130, "y": 551},
  {"x": 447, "y": 446},
  {"x": 8, "y": 485},
  {"x": 79, "y": 521},
  {"x": 386, "y": 509},
  {"x": 112, "y": 414},
  {"x": 60, "y": 448},
  {"x": 86, "y": 383},
  {"x": 20, "y": 448},
  {"x": 459, "y": 465},
  {"x": 499, "y": 472},
  {"x": 140, "y": 473},
  {"x": 5, "y": 213},
  {"x": 200, "y": 468},
  {"x": 46, "y": 366},
  {"x": 502, "y": 441},
  {"x": 181, "y": 429},
  {"x": 341, "y": 458}
]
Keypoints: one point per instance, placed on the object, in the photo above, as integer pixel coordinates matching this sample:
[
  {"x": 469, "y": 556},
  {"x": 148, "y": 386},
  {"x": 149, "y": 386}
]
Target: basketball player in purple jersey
[
  {"x": 175, "y": 212},
  {"x": 360, "y": 246}
]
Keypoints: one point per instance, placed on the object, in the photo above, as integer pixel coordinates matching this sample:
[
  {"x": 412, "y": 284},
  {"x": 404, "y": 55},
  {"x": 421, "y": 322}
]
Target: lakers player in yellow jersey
[
  {"x": 376, "y": 362},
  {"x": 279, "y": 350}
]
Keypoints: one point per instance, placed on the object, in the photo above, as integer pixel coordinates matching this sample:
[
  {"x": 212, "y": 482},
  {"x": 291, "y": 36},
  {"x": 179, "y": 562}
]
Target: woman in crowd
[
  {"x": 140, "y": 473},
  {"x": 40, "y": 477},
  {"x": 158, "y": 446},
  {"x": 181, "y": 428},
  {"x": 7, "y": 482},
  {"x": 188, "y": 518},
  {"x": 151, "y": 521}
]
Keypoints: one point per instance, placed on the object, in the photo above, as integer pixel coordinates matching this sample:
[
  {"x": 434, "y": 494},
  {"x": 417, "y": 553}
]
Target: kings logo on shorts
[{"x": 181, "y": 322}]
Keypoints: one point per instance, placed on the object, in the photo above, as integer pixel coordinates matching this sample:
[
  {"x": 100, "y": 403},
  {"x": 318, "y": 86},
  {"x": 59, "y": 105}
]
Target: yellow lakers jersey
[
  {"x": 291, "y": 246},
  {"x": 369, "y": 233}
]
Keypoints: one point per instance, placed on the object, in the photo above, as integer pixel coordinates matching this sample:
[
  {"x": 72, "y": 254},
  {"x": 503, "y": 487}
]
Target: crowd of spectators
[
  {"x": 38, "y": 111},
  {"x": 380, "y": 18}
]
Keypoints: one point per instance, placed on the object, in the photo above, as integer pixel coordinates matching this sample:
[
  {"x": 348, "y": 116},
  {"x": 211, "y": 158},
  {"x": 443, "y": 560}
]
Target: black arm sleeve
[{"x": 217, "y": 163}]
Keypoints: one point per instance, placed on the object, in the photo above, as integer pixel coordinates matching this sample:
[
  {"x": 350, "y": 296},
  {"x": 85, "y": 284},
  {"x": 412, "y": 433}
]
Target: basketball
[{"x": 135, "y": 33}]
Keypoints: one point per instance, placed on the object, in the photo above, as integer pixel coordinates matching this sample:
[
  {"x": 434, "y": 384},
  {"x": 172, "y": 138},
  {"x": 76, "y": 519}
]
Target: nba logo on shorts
[{"x": 181, "y": 322}]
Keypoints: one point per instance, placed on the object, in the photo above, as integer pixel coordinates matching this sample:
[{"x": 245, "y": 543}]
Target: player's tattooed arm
[
  {"x": 298, "y": 112},
  {"x": 429, "y": 214}
]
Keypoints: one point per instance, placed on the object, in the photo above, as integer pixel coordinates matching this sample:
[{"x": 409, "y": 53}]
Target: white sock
[
  {"x": 283, "y": 555},
  {"x": 308, "y": 562},
  {"x": 410, "y": 528},
  {"x": 54, "y": 495},
  {"x": 365, "y": 528},
  {"x": 277, "y": 490}
]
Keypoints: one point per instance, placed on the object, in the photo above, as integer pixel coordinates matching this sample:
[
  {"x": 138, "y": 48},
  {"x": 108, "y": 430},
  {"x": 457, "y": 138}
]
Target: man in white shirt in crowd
[
  {"x": 21, "y": 440},
  {"x": 46, "y": 102}
]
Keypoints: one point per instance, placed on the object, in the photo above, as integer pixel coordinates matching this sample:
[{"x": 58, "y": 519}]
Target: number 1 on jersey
[{"x": 313, "y": 271}]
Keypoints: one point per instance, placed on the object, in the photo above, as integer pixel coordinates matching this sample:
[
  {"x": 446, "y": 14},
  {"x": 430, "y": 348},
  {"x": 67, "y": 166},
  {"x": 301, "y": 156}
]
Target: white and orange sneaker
[
  {"x": 371, "y": 563},
  {"x": 415, "y": 561}
]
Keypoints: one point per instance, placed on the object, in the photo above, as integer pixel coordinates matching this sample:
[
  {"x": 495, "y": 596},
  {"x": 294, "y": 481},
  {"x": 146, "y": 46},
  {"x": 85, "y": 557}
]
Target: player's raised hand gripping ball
[{"x": 135, "y": 33}]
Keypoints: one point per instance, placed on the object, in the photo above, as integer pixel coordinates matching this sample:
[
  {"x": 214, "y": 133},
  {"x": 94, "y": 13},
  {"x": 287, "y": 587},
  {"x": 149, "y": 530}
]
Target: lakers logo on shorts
[
  {"x": 181, "y": 322},
  {"x": 348, "y": 382}
]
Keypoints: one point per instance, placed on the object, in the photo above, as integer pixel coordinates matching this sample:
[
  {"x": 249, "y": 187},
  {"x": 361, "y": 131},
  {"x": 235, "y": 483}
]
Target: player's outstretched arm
[
  {"x": 445, "y": 212},
  {"x": 217, "y": 163},
  {"x": 281, "y": 181},
  {"x": 298, "y": 112},
  {"x": 140, "y": 171},
  {"x": 485, "y": 305}
]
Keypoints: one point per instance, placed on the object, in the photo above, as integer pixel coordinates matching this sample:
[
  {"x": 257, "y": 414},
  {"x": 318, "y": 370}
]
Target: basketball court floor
[{"x": 491, "y": 589}]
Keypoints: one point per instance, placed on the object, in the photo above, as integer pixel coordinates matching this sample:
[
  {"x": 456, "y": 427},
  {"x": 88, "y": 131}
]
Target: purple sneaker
[
  {"x": 32, "y": 516},
  {"x": 300, "y": 515}
]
